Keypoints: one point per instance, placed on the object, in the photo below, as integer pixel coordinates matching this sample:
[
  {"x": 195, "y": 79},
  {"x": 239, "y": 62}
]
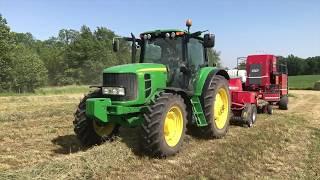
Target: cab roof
[{"x": 159, "y": 31}]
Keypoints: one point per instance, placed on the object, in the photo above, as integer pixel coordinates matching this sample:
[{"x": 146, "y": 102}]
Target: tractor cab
[{"x": 182, "y": 52}]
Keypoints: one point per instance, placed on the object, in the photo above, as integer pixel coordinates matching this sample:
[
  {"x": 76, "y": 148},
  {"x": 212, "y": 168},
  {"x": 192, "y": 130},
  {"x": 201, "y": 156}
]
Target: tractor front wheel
[
  {"x": 164, "y": 126},
  {"x": 91, "y": 132}
]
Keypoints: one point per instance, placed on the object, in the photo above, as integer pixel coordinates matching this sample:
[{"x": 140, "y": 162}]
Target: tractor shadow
[
  {"x": 238, "y": 123},
  {"x": 131, "y": 137},
  {"x": 67, "y": 144}
]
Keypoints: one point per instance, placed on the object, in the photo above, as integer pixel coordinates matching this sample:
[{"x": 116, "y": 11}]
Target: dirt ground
[{"x": 37, "y": 142}]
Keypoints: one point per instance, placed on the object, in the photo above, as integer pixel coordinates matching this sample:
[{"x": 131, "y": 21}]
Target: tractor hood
[{"x": 136, "y": 68}]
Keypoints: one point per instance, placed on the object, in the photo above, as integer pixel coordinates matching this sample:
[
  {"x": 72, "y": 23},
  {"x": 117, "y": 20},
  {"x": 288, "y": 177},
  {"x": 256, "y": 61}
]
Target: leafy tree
[
  {"x": 51, "y": 52},
  {"x": 25, "y": 39},
  {"x": 5, "y": 50},
  {"x": 89, "y": 54},
  {"x": 29, "y": 71},
  {"x": 299, "y": 66},
  {"x": 312, "y": 65},
  {"x": 214, "y": 57},
  {"x": 67, "y": 36},
  {"x": 242, "y": 65}
]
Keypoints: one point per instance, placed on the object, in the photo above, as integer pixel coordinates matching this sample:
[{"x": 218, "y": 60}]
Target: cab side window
[{"x": 195, "y": 53}]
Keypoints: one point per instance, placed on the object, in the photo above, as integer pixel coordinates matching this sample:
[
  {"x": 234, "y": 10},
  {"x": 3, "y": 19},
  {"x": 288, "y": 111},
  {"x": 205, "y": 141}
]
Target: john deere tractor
[{"x": 171, "y": 87}]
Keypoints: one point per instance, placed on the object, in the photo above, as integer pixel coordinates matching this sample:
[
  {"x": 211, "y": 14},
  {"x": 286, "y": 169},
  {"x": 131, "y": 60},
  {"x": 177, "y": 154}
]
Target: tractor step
[{"x": 198, "y": 112}]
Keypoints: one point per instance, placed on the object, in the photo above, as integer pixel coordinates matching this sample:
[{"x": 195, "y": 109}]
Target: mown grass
[
  {"x": 314, "y": 154},
  {"x": 274, "y": 149},
  {"x": 305, "y": 82},
  {"x": 42, "y": 145}
]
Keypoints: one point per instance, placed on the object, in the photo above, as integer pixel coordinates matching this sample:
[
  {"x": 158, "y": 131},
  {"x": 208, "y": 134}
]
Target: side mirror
[
  {"x": 115, "y": 45},
  {"x": 208, "y": 40}
]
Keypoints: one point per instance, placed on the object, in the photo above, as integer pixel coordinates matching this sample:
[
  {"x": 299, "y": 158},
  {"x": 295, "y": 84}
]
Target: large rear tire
[
  {"x": 91, "y": 132},
  {"x": 283, "y": 103},
  {"x": 215, "y": 100},
  {"x": 164, "y": 126}
]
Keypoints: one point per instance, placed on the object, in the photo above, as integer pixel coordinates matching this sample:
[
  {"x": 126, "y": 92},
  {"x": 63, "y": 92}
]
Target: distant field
[
  {"x": 295, "y": 82},
  {"x": 63, "y": 90},
  {"x": 54, "y": 90},
  {"x": 303, "y": 82}
]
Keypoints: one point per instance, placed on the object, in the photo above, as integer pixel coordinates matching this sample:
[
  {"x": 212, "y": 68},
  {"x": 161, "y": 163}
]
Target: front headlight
[{"x": 113, "y": 91}]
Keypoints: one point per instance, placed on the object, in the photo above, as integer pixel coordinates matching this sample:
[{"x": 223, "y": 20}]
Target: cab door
[{"x": 195, "y": 57}]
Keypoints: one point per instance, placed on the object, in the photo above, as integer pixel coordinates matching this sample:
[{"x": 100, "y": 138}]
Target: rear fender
[{"x": 203, "y": 75}]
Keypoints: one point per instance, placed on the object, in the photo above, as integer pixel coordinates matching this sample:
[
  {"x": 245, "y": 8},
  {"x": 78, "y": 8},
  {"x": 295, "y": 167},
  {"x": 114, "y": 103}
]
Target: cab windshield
[{"x": 162, "y": 50}]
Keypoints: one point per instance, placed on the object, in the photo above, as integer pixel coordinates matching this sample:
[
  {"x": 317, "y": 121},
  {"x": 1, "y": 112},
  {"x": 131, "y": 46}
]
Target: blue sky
[{"x": 241, "y": 27}]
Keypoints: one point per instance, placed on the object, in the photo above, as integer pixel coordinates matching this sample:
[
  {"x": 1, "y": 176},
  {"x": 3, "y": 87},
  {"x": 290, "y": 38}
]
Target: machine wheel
[
  {"x": 89, "y": 131},
  {"x": 215, "y": 101},
  {"x": 269, "y": 109},
  {"x": 254, "y": 113},
  {"x": 283, "y": 103},
  {"x": 246, "y": 115},
  {"x": 163, "y": 129}
]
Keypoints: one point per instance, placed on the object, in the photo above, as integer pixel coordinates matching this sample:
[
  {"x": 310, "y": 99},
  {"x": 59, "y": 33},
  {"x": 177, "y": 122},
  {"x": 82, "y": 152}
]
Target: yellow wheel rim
[
  {"x": 173, "y": 126},
  {"x": 221, "y": 108},
  {"x": 103, "y": 130}
]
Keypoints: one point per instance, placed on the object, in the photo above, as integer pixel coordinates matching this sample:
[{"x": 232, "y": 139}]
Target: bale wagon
[{"x": 265, "y": 85}]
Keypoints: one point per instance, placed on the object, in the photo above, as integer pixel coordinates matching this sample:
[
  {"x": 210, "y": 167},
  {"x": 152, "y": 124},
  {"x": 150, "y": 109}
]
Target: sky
[{"x": 279, "y": 27}]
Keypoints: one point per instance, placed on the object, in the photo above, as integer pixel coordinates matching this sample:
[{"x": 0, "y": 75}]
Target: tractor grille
[
  {"x": 125, "y": 80},
  {"x": 147, "y": 84}
]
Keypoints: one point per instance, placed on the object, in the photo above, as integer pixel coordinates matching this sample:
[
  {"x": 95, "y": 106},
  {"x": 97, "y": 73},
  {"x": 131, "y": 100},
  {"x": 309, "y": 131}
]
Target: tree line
[
  {"x": 296, "y": 65},
  {"x": 73, "y": 57},
  {"x": 300, "y": 66}
]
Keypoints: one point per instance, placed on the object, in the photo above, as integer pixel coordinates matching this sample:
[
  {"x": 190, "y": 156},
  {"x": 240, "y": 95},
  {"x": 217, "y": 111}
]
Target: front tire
[
  {"x": 215, "y": 101},
  {"x": 91, "y": 132},
  {"x": 164, "y": 126}
]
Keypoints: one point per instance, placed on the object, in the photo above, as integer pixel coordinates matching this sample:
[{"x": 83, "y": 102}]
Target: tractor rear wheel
[
  {"x": 91, "y": 132},
  {"x": 283, "y": 103},
  {"x": 215, "y": 100},
  {"x": 164, "y": 126}
]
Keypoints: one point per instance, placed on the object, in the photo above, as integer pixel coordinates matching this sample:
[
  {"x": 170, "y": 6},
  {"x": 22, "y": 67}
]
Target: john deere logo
[{"x": 255, "y": 70}]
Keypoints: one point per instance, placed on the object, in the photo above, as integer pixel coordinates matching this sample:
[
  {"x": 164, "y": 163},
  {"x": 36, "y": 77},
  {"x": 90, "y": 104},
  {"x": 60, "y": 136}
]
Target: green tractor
[{"x": 171, "y": 88}]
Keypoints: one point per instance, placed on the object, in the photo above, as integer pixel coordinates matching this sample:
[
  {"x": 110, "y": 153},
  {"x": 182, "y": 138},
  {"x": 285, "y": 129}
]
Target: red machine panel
[
  {"x": 235, "y": 84},
  {"x": 272, "y": 97},
  {"x": 242, "y": 97},
  {"x": 259, "y": 68},
  {"x": 283, "y": 79}
]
